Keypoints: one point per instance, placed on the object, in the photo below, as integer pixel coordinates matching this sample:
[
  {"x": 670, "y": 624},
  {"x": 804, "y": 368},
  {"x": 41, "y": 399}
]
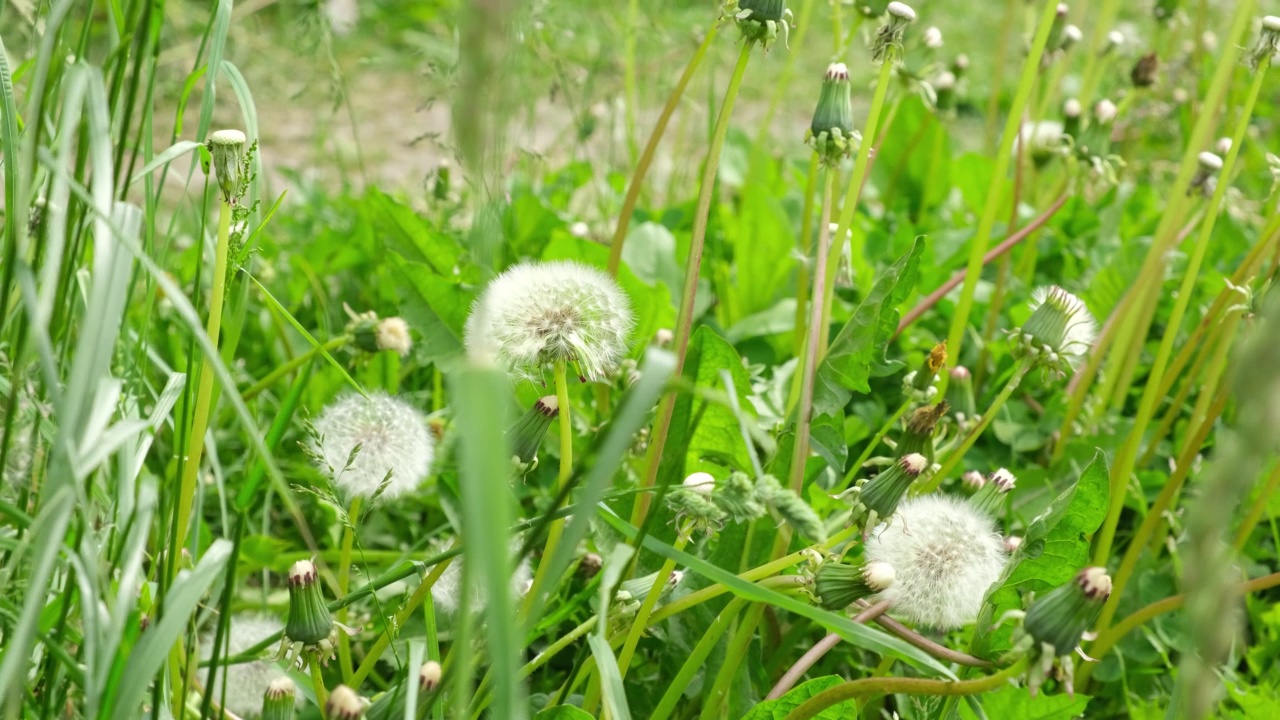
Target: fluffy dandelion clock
[
  {"x": 1059, "y": 332},
  {"x": 535, "y": 314},
  {"x": 945, "y": 555},
  {"x": 388, "y": 437},
  {"x": 447, "y": 592},
  {"x": 245, "y": 683}
]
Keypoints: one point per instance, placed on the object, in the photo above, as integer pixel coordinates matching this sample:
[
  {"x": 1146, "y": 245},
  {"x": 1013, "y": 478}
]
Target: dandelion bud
[
  {"x": 918, "y": 437},
  {"x": 1055, "y": 31},
  {"x": 278, "y": 702},
  {"x": 373, "y": 335},
  {"x": 1145, "y": 70},
  {"x": 1209, "y": 162},
  {"x": 1012, "y": 543},
  {"x": 889, "y": 37},
  {"x": 1071, "y": 36},
  {"x": 440, "y": 184},
  {"x": 244, "y": 688},
  {"x": 839, "y": 585},
  {"x": 991, "y": 495},
  {"x": 932, "y": 38},
  {"x": 535, "y": 314},
  {"x": 664, "y": 337},
  {"x": 309, "y": 619},
  {"x": 344, "y": 704},
  {"x": 525, "y": 436},
  {"x": 960, "y": 394},
  {"x": 1059, "y": 331},
  {"x": 701, "y": 483},
  {"x": 429, "y": 676},
  {"x": 763, "y": 21},
  {"x": 1105, "y": 112},
  {"x": 1115, "y": 40},
  {"x": 1223, "y": 146},
  {"x": 1206, "y": 177},
  {"x": 226, "y": 148},
  {"x": 882, "y": 493},
  {"x": 590, "y": 565},
  {"x": 1071, "y": 112},
  {"x": 1062, "y": 616},
  {"x": 945, "y": 556},
  {"x": 831, "y": 133},
  {"x": 973, "y": 480},
  {"x": 960, "y": 65},
  {"x": 944, "y": 86},
  {"x": 579, "y": 230}
]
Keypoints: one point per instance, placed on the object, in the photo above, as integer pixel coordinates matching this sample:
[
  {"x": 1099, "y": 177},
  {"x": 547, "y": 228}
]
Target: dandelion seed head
[
  {"x": 945, "y": 555},
  {"x": 539, "y": 313},
  {"x": 392, "y": 436},
  {"x": 245, "y": 683},
  {"x": 447, "y": 592}
]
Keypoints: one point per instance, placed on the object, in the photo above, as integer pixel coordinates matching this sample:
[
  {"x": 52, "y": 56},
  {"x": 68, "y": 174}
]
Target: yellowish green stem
[
  {"x": 958, "y": 454},
  {"x": 293, "y": 365},
  {"x": 344, "y": 580},
  {"x": 556, "y": 528}
]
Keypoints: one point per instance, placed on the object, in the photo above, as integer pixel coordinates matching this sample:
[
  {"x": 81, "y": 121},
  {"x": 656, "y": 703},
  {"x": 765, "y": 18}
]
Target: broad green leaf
[
  {"x": 706, "y": 430},
  {"x": 1054, "y": 548},
  {"x": 562, "y": 712},
  {"x": 1015, "y": 702},
  {"x": 650, "y": 253},
  {"x": 407, "y": 233},
  {"x": 763, "y": 240},
  {"x": 862, "y": 341},
  {"x": 436, "y": 307},
  {"x": 779, "y": 709}
]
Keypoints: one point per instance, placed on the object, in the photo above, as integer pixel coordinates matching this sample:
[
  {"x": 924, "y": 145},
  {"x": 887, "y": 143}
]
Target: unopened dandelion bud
[
  {"x": 791, "y": 508},
  {"x": 1059, "y": 23},
  {"x": 960, "y": 65},
  {"x": 1223, "y": 146},
  {"x": 932, "y": 38},
  {"x": 1062, "y": 616},
  {"x": 991, "y": 495},
  {"x": 701, "y": 483},
  {"x": 921, "y": 426},
  {"x": 1145, "y": 71},
  {"x": 279, "y": 701},
  {"x": 590, "y": 565},
  {"x": 882, "y": 493},
  {"x": 737, "y": 497},
  {"x": 1012, "y": 543},
  {"x": 526, "y": 435},
  {"x": 429, "y": 676},
  {"x": 839, "y": 585},
  {"x": 664, "y": 337},
  {"x": 579, "y": 230},
  {"x": 1061, "y": 324},
  {"x": 1105, "y": 112},
  {"x": 226, "y": 147},
  {"x": 1206, "y": 177},
  {"x": 373, "y": 335},
  {"x": 1071, "y": 36},
  {"x": 1071, "y": 112},
  {"x": 888, "y": 39},
  {"x": 960, "y": 393},
  {"x": 309, "y": 619},
  {"x": 763, "y": 21},
  {"x": 831, "y": 132},
  {"x": 344, "y": 704},
  {"x": 944, "y": 86},
  {"x": 973, "y": 480},
  {"x": 1115, "y": 41}
]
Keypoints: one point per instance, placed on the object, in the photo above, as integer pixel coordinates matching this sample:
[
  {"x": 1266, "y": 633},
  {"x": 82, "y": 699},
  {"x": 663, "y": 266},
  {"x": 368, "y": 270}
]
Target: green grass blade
[{"x": 173, "y": 153}]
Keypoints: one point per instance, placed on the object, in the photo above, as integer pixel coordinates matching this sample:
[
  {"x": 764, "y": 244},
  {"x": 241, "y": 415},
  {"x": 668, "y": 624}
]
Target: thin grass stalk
[
  {"x": 820, "y": 649},
  {"x": 695, "y": 662},
  {"x": 995, "y": 194},
  {"x": 693, "y": 266},
  {"x": 650, "y": 148},
  {"x": 292, "y": 365},
  {"x": 889, "y": 423},
  {"x": 1103, "y": 23},
  {"x": 958, "y": 454},
  {"x": 1012, "y": 9},
  {"x": 344, "y": 579},
  {"x": 734, "y": 653},
  {"x": 1127, "y": 457},
  {"x": 803, "y": 271}
]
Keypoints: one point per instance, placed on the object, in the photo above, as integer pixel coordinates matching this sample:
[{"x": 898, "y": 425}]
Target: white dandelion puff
[
  {"x": 244, "y": 683},
  {"x": 392, "y": 438},
  {"x": 539, "y": 313},
  {"x": 945, "y": 555},
  {"x": 447, "y": 592}
]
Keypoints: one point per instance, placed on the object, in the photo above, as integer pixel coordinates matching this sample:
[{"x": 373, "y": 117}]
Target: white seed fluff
[
  {"x": 447, "y": 592},
  {"x": 392, "y": 436},
  {"x": 1082, "y": 329},
  {"x": 393, "y": 334},
  {"x": 539, "y": 313},
  {"x": 245, "y": 683},
  {"x": 945, "y": 555}
]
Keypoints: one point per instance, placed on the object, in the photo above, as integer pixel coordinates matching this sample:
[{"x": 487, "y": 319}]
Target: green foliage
[{"x": 781, "y": 707}]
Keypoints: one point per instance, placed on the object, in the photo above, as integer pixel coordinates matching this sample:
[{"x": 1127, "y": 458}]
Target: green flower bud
[
  {"x": 882, "y": 493},
  {"x": 1071, "y": 112},
  {"x": 918, "y": 437},
  {"x": 791, "y": 508},
  {"x": 839, "y": 585},
  {"x": 990, "y": 496},
  {"x": 1062, "y": 616},
  {"x": 889, "y": 37},
  {"x": 429, "y": 676},
  {"x": 1059, "y": 23},
  {"x": 525, "y": 436},
  {"x": 344, "y": 704},
  {"x": 638, "y": 588},
  {"x": 1268, "y": 43},
  {"x": 226, "y": 147},
  {"x": 279, "y": 701},
  {"x": 737, "y": 497},
  {"x": 831, "y": 132},
  {"x": 960, "y": 394},
  {"x": 309, "y": 619},
  {"x": 761, "y": 21}
]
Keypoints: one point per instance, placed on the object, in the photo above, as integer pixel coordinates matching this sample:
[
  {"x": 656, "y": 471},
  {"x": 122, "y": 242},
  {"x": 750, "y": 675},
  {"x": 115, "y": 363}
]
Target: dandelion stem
[
  {"x": 1259, "y": 507},
  {"x": 694, "y": 663},
  {"x": 556, "y": 528},
  {"x": 889, "y": 423},
  {"x": 978, "y": 244},
  {"x": 906, "y": 686},
  {"x": 641, "y": 620},
  {"x": 693, "y": 266},
  {"x": 293, "y": 364},
  {"x": 317, "y": 682},
  {"x": 804, "y": 414},
  {"x": 204, "y": 392},
  {"x": 344, "y": 578},
  {"x": 958, "y": 454},
  {"x": 1127, "y": 457},
  {"x": 819, "y": 649},
  {"x": 804, "y": 271}
]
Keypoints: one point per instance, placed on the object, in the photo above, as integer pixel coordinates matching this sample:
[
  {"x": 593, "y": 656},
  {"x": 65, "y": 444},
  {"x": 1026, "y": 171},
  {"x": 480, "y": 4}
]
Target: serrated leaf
[
  {"x": 1054, "y": 548},
  {"x": 781, "y": 707},
  {"x": 405, "y": 232},
  {"x": 1015, "y": 702},
  {"x": 862, "y": 340},
  {"x": 706, "y": 429}
]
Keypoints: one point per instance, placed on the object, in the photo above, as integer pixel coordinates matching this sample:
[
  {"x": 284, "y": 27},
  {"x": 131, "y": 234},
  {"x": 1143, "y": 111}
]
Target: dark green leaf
[{"x": 781, "y": 707}]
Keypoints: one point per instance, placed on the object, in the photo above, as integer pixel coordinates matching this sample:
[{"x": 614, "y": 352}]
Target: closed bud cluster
[
  {"x": 226, "y": 147},
  {"x": 761, "y": 21},
  {"x": 960, "y": 396},
  {"x": 990, "y": 496},
  {"x": 881, "y": 494},
  {"x": 1054, "y": 624},
  {"x": 1208, "y": 166},
  {"x": 525, "y": 436},
  {"x": 1058, "y": 333},
  {"x": 839, "y": 585},
  {"x": 278, "y": 702},
  {"x": 831, "y": 133},
  {"x": 888, "y": 39},
  {"x": 921, "y": 426}
]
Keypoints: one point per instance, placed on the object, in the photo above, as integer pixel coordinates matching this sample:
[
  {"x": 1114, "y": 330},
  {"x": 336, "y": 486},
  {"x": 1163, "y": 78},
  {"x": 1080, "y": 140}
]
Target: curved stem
[
  {"x": 556, "y": 528},
  {"x": 292, "y": 365},
  {"x": 646, "y": 158},
  {"x": 819, "y": 649},
  {"x": 958, "y": 454},
  {"x": 941, "y": 652},
  {"x": 641, "y": 620},
  {"x": 907, "y": 686},
  {"x": 693, "y": 265}
]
